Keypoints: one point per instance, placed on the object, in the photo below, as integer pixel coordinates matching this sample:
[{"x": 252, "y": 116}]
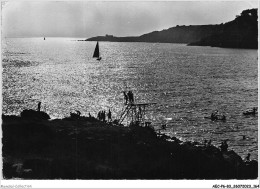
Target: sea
[{"x": 185, "y": 83}]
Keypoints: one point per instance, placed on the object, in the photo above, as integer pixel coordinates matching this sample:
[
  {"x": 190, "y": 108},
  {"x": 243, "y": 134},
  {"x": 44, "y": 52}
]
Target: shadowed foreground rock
[
  {"x": 85, "y": 148},
  {"x": 32, "y": 114}
]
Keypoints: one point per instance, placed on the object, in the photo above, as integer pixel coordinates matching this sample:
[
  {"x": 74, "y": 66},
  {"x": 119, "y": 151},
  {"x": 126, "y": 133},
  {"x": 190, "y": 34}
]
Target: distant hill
[
  {"x": 178, "y": 34},
  {"x": 239, "y": 33}
]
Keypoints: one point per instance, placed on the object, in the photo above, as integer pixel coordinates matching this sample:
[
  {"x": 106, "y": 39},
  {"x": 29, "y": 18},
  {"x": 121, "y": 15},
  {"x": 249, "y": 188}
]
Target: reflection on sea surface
[{"x": 186, "y": 83}]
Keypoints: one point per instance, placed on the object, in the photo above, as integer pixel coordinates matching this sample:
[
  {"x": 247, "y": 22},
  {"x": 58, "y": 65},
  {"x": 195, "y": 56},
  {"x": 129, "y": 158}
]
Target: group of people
[
  {"x": 129, "y": 97},
  {"x": 102, "y": 116},
  {"x": 224, "y": 146}
]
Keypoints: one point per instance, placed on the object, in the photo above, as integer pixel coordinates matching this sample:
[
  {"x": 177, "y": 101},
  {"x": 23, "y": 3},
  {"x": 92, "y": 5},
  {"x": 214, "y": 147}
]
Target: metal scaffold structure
[{"x": 135, "y": 112}]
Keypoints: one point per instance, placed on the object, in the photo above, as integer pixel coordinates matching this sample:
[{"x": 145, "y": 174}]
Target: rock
[
  {"x": 252, "y": 169},
  {"x": 32, "y": 114},
  {"x": 232, "y": 158},
  {"x": 102, "y": 152}
]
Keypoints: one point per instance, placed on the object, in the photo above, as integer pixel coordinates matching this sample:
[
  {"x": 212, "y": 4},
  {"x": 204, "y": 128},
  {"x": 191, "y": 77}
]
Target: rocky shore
[{"x": 35, "y": 147}]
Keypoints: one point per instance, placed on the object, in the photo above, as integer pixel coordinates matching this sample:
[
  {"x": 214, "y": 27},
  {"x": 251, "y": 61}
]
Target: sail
[{"x": 96, "y": 52}]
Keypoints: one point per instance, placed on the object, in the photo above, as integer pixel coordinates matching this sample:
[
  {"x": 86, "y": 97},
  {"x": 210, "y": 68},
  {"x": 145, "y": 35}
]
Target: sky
[{"x": 86, "y": 19}]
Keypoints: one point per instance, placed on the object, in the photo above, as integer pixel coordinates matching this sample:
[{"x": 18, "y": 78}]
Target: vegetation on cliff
[{"x": 239, "y": 33}]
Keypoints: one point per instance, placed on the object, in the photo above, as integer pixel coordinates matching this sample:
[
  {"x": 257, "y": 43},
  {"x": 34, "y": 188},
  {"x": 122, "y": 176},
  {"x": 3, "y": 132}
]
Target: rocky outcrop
[
  {"x": 32, "y": 114},
  {"x": 86, "y": 148},
  {"x": 239, "y": 33}
]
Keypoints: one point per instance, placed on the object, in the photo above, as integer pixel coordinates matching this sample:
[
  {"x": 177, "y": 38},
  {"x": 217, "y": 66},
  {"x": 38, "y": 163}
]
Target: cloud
[{"x": 88, "y": 18}]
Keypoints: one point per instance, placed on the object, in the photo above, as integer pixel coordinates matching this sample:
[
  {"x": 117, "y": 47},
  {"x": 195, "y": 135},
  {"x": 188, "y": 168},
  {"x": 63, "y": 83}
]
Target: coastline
[{"x": 35, "y": 147}]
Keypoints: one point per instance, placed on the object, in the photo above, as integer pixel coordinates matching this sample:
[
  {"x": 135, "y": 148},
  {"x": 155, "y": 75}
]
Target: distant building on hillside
[{"x": 109, "y": 35}]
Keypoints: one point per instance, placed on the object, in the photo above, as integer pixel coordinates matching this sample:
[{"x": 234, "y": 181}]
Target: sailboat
[{"x": 96, "y": 52}]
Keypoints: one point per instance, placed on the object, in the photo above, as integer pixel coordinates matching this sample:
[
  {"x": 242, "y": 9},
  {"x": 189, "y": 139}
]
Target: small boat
[
  {"x": 96, "y": 53},
  {"x": 44, "y": 38},
  {"x": 216, "y": 117},
  {"x": 250, "y": 112}
]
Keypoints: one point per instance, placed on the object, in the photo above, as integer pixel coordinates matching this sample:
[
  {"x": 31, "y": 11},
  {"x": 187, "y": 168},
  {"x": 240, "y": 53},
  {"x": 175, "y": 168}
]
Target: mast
[{"x": 96, "y": 52}]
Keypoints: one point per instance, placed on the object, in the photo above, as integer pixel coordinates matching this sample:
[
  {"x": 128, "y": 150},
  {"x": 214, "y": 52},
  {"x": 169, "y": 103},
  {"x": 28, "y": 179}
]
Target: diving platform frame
[{"x": 134, "y": 112}]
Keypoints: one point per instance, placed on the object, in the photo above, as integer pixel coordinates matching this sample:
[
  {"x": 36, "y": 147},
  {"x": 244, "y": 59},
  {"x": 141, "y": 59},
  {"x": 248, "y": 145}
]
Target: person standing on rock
[
  {"x": 104, "y": 116},
  {"x": 126, "y": 97},
  {"x": 130, "y": 96},
  {"x": 109, "y": 116},
  {"x": 39, "y": 106},
  {"x": 247, "y": 159}
]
